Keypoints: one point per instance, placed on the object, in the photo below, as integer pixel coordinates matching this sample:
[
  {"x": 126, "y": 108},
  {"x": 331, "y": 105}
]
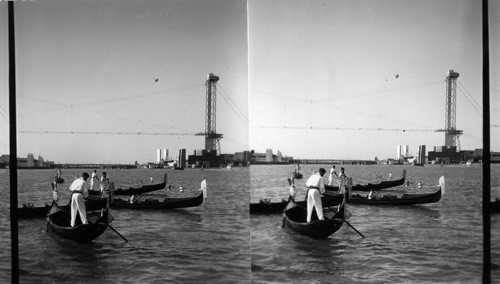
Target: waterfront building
[
  {"x": 158, "y": 156},
  {"x": 421, "y": 155},
  {"x": 164, "y": 155}
]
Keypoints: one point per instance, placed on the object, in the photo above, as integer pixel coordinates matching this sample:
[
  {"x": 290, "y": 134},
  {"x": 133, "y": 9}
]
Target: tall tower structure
[
  {"x": 211, "y": 136},
  {"x": 451, "y": 134}
]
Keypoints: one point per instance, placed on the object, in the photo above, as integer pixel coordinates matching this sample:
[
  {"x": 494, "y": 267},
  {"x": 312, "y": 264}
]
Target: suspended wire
[
  {"x": 472, "y": 137},
  {"x": 6, "y": 119},
  {"x": 241, "y": 115},
  {"x": 236, "y": 108},
  {"x": 110, "y": 100},
  {"x": 344, "y": 128},
  {"x": 106, "y": 133},
  {"x": 235, "y": 141},
  {"x": 279, "y": 95},
  {"x": 377, "y": 92},
  {"x": 478, "y": 105},
  {"x": 478, "y": 111},
  {"x": 4, "y": 145}
]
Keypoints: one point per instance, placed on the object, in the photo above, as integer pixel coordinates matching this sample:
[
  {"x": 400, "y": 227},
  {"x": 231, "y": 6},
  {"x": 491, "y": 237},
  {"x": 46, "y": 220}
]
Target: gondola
[
  {"x": 294, "y": 217},
  {"x": 167, "y": 203},
  {"x": 58, "y": 223},
  {"x": 266, "y": 206},
  {"x": 28, "y": 211},
  {"x": 405, "y": 199},
  {"x": 373, "y": 186},
  {"x": 143, "y": 189},
  {"x": 298, "y": 176}
]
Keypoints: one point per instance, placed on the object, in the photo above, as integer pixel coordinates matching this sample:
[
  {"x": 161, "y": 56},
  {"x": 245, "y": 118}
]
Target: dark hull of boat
[
  {"x": 495, "y": 206},
  {"x": 28, "y": 212},
  {"x": 59, "y": 224},
  {"x": 143, "y": 189},
  {"x": 406, "y": 199},
  {"x": 278, "y": 207},
  {"x": 168, "y": 203},
  {"x": 373, "y": 186},
  {"x": 295, "y": 219}
]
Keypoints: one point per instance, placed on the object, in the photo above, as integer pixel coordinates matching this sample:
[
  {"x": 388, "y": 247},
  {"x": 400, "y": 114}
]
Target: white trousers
[
  {"x": 78, "y": 206},
  {"x": 314, "y": 201}
]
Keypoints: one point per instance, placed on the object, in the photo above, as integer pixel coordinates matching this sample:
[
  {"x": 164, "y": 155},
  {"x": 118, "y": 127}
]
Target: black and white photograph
[
  {"x": 137, "y": 113},
  {"x": 249, "y": 141}
]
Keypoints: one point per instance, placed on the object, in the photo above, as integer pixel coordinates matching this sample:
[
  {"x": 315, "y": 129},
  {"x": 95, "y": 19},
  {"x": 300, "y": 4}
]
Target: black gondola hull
[
  {"x": 58, "y": 223},
  {"x": 278, "y": 207},
  {"x": 168, "y": 203},
  {"x": 295, "y": 219},
  {"x": 143, "y": 189},
  {"x": 373, "y": 186},
  {"x": 406, "y": 199}
]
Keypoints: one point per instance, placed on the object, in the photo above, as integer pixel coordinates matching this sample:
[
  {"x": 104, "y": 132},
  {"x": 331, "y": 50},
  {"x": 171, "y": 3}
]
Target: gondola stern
[{"x": 203, "y": 187}]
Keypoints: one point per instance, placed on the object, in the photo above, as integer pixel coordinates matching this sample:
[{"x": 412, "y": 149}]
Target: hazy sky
[
  {"x": 291, "y": 73},
  {"x": 364, "y": 65},
  {"x": 89, "y": 66}
]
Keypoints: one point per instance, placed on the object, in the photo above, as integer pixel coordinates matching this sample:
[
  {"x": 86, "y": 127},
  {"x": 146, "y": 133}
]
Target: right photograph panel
[{"x": 366, "y": 137}]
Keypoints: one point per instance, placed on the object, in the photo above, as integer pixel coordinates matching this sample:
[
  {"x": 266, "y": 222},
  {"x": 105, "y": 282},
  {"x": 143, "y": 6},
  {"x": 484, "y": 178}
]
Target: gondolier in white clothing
[
  {"x": 315, "y": 186},
  {"x": 79, "y": 190}
]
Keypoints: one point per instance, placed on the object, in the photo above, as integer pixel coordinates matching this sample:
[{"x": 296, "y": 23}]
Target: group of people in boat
[
  {"x": 316, "y": 186},
  {"x": 80, "y": 188}
]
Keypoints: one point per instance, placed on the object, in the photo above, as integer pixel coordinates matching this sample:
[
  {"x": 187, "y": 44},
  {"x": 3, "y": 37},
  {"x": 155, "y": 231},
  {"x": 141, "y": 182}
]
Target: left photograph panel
[{"x": 132, "y": 141}]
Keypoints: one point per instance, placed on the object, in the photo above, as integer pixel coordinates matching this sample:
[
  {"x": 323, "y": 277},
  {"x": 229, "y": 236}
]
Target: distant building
[
  {"x": 164, "y": 155},
  {"x": 445, "y": 155},
  {"x": 406, "y": 151},
  {"x": 421, "y": 155},
  {"x": 269, "y": 156},
  {"x": 158, "y": 156}
]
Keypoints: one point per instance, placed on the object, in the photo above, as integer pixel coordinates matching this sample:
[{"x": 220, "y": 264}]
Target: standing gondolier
[
  {"x": 315, "y": 187},
  {"x": 342, "y": 180},
  {"x": 79, "y": 190},
  {"x": 94, "y": 176}
]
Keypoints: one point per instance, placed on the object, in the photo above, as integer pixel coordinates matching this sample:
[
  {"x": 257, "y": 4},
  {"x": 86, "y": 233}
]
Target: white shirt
[
  {"x": 316, "y": 181},
  {"x": 80, "y": 185}
]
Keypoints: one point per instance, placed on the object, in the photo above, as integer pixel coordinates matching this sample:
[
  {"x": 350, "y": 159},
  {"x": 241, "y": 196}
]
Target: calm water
[
  {"x": 439, "y": 242},
  {"x": 219, "y": 242},
  {"x": 210, "y": 243}
]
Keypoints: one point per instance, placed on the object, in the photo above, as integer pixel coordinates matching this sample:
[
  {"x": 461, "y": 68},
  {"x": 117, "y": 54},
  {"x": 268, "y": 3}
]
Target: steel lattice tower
[
  {"x": 211, "y": 136},
  {"x": 451, "y": 133}
]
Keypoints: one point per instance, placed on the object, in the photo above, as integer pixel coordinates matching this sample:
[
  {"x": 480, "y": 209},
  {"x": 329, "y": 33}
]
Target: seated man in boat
[
  {"x": 104, "y": 185},
  {"x": 79, "y": 190},
  {"x": 342, "y": 180},
  {"x": 316, "y": 186},
  {"x": 297, "y": 168},
  {"x": 135, "y": 199}
]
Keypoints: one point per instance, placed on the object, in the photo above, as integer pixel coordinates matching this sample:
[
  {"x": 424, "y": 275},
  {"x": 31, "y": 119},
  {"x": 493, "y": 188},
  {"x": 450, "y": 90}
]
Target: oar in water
[
  {"x": 353, "y": 227},
  {"x": 117, "y": 232}
]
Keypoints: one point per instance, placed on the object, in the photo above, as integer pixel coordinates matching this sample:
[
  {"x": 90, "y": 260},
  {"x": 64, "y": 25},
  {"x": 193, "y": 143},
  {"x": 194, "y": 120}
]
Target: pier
[
  {"x": 96, "y": 166},
  {"x": 335, "y": 162}
]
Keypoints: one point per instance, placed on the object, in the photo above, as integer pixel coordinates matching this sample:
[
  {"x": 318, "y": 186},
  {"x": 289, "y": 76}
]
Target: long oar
[
  {"x": 353, "y": 228},
  {"x": 119, "y": 233}
]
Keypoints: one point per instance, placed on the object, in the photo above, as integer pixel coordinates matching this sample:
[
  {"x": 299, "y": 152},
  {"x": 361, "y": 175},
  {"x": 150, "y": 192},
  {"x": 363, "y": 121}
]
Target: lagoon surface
[
  {"x": 220, "y": 242},
  {"x": 209, "y": 244},
  {"x": 430, "y": 243}
]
